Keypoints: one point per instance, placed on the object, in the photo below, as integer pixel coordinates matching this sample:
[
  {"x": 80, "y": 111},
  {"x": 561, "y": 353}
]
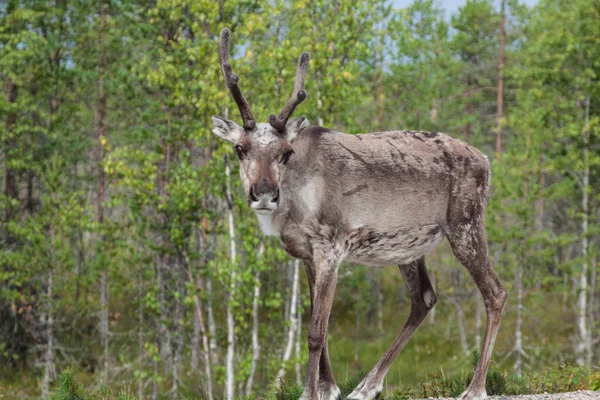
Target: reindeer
[{"x": 378, "y": 199}]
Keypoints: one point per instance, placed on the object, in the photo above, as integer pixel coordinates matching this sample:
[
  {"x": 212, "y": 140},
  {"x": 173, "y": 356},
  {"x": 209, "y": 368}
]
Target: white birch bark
[
  {"x": 255, "y": 343},
  {"x": 212, "y": 326},
  {"x": 584, "y": 344},
  {"x": 478, "y": 322},
  {"x": 229, "y": 363},
  {"x": 298, "y": 335},
  {"x": 432, "y": 313},
  {"x": 287, "y": 353},
  {"x": 592, "y": 313},
  {"x": 518, "y": 325},
  {"x": 195, "y": 345},
  {"x": 199, "y": 316},
  {"x": 461, "y": 327}
]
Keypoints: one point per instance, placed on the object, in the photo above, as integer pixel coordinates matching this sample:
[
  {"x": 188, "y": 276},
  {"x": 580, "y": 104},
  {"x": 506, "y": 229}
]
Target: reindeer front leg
[
  {"x": 327, "y": 388},
  {"x": 325, "y": 275}
]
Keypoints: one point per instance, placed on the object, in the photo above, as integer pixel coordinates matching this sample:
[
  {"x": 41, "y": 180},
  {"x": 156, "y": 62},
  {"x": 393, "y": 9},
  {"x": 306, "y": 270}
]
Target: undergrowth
[
  {"x": 564, "y": 378},
  {"x": 69, "y": 389}
]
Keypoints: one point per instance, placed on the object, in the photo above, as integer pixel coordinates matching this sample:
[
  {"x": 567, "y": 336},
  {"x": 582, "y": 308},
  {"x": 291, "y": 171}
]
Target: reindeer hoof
[
  {"x": 360, "y": 398},
  {"x": 329, "y": 392},
  {"x": 366, "y": 390},
  {"x": 472, "y": 394}
]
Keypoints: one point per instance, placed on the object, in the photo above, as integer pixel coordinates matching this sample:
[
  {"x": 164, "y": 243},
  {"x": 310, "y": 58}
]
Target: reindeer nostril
[
  {"x": 252, "y": 195},
  {"x": 276, "y": 198}
]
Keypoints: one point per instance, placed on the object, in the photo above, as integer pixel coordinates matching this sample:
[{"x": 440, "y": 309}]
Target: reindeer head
[{"x": 262, "y": 148}]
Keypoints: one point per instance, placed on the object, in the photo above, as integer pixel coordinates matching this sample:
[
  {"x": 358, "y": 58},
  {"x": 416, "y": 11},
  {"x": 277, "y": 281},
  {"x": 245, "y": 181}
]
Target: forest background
[{"x": 130, "y": 256}]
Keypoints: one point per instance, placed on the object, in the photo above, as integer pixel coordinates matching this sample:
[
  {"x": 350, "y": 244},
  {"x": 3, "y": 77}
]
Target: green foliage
[
  {"x": 565, "y": 378},
  {"x": 348, "y": 386},
  {"x": 69, "y": 389}
]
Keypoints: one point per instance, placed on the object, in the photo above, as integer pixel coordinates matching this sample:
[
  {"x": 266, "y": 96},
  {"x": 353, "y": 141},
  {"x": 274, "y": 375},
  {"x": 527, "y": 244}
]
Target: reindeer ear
[
  {"x": 293, "y": 127},
  {"x": 227, "y": 129}
]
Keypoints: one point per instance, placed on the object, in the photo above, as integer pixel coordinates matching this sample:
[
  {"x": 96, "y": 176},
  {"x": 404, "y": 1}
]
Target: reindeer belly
[{"x": 399, "y": 246}]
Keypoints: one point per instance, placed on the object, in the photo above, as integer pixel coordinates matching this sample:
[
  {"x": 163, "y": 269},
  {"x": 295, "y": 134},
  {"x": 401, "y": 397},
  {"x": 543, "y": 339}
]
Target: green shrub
[
  {"x": 69, "y": 389},
  {"x": 347, "y": 387},
  {"x": 439, "y": 385},
  {"x": 288, "y": 392},
  {"x": 565, "y": 378},
  {"x": 517, "y": 385},
  {"x": 595, "y": 381}
]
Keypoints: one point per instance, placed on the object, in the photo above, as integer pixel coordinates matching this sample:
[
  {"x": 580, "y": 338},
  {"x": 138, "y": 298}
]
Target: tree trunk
[
  {"x": 196, "y": 336},
  {"x": 230, "y": 368},
  {"x": 298, "y": 335},
  {"x": 199, "y": 315},
  {"x": 178, "y": 339},
  {"x": 319, "y": 101},
  {"x": 10, "y": 181},
  {"x": 197, "y": 333},
  {"x": 195, "y": 356},
  {"x": 104, "y": 334},
  {"x": 165, "y": 341},
  {"x": 100, "y": 133},
  {"x": 432, "y": 312},
  {"x": 584, "y": 345},
  {"x": 478, "y": 321},
  {"x": 155, "y": 370},
  {"x": 49, "y": 367},
  {"x": 461, "y": 327},
  {"x": 255, "y": 343},
  {"x": 287, "y": 353},
  {"x": 500, "y": 99},
  {"x": 212, "y": 326},
  {"x": 518, "y": 325},
  {"x": 592, "y": 313}
]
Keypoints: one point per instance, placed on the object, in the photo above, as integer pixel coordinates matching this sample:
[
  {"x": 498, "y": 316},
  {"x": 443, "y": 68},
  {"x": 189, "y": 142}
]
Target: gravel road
[{"x": 580, "y": 395}]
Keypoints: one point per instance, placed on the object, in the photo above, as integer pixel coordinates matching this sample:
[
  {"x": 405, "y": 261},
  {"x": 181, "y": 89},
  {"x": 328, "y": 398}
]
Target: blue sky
[{"x": 451, "y": 6}]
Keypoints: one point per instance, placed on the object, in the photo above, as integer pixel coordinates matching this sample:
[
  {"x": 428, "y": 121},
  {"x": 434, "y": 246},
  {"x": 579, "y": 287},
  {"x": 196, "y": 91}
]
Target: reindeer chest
[{"x": 397, "y": 246}]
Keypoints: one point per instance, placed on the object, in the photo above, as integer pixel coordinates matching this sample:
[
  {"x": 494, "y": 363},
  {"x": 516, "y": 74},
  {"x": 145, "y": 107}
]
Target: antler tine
[
  {"x": 298, "y": 95},
  {"x": 231, "y": 80}
]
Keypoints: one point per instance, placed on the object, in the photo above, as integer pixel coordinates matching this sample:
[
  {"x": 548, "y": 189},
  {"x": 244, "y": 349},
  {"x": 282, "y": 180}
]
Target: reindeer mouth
[{"x": 264, "y": 210}]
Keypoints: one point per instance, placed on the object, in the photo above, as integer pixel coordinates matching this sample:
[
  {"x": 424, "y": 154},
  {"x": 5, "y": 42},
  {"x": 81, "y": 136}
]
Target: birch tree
[
  {"x": 230, "y": 362},
  {"x": 293, "y": 321}
]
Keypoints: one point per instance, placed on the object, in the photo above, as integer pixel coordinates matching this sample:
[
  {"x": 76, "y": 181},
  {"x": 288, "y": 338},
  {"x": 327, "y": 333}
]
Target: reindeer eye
[
  {"x": 239, "y": 150},
  {"x": 286, "y": 156}
]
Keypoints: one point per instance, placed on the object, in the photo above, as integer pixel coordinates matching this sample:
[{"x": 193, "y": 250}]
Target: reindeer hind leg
[
  {"x": 422, "y": 299},
  {"x": 469, "y": 244}
]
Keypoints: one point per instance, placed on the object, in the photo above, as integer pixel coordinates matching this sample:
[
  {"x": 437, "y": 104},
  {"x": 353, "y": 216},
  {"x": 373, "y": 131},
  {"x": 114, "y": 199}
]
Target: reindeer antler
[
  {"x": 298, "y": 96},
  {"x": 231, "y": 80}
]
